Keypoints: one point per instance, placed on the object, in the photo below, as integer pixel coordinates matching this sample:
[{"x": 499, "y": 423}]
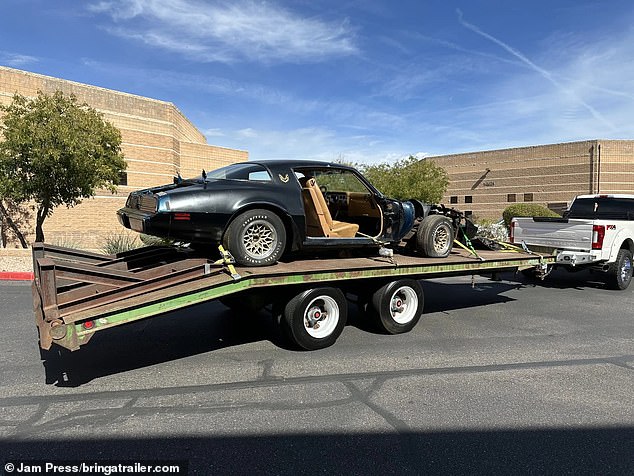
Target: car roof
[{"x": 296, "y": 163}]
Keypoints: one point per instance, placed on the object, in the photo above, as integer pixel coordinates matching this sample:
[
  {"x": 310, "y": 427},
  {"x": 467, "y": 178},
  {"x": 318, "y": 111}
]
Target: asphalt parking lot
[{"x": 502, "y": 376}]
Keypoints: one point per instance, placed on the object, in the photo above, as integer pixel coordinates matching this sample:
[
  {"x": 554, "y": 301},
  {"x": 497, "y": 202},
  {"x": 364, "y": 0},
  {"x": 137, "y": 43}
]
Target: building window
[
  {"x": 123, "y": 178},
  {"x": 511, "y": 197},
  {"x": 468, "y": 199},
  {"x": 528, "y": 197},
  {"x": 453, "y": 199}
]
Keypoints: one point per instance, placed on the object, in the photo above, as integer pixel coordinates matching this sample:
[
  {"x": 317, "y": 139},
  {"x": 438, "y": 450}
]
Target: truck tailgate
[{"x": 554, "y": 233}]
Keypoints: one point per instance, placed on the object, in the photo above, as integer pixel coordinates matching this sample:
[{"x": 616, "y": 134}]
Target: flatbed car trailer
[{"x": 78, "y": 293}]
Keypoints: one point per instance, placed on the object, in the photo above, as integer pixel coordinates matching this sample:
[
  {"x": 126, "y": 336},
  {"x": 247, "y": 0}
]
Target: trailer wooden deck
[{"x": 76, "y": 293}]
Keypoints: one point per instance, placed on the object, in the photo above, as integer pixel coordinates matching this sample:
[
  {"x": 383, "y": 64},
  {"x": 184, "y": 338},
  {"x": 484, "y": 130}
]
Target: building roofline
[
  {"x": 109, "y": 91},
  {"x": 595, "y": 141},
  {"x": 46, "y": 76}
]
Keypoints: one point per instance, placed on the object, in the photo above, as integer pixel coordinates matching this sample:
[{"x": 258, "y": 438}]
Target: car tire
[
  {"x": 435, "y": 236},
  {"x": 315, "y": 318},
  {"x": 256, "y": 238},
  {"x": 397, "y": 306},
  {"x": 620, "y": 272}
]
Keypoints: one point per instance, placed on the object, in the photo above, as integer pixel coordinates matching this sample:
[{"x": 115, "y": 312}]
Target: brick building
[
  {"x": 485, "y": 183},
  {"x": 158, "y": 142}
]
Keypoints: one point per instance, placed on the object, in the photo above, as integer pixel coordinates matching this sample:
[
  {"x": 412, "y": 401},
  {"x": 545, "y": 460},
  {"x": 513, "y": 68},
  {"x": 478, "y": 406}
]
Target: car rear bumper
[
  {"x": 156, "y": 224},
  {"x": 190, "y": 227}
]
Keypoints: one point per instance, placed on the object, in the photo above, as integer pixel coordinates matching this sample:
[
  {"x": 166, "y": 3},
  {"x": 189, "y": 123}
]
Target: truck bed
[
  {"x": 76, "y": 294},
  {"x": 554, "y": 233}
]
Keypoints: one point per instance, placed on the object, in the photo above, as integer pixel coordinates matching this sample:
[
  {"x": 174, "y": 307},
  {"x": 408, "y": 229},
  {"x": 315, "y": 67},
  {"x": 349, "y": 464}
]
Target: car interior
[{"x": 338, "y": 205}]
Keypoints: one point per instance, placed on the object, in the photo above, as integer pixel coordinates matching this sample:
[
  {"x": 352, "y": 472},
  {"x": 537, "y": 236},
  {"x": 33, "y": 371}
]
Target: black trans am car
[{"x": 261, "y": 210}]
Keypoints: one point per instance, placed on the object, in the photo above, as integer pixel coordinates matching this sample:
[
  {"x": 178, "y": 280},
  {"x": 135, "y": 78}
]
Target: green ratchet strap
[
  {"x": 469, "y": 246},
  {"x": 228, "y": 260},
  {"x": 509, "y": 248}
]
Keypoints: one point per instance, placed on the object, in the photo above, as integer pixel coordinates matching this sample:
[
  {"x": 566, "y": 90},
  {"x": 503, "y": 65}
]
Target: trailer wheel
[
  {"x": 397, "y": 306},
  {"x": 620, "y": 272},
  {"x": 315, "y": 318},
  {"x": 435, "y": 236},
  {"x": 256, "y": 238}
]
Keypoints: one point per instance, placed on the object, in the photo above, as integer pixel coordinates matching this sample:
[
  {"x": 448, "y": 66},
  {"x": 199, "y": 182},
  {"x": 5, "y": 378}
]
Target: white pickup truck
[{"x": 596, "y": 231}]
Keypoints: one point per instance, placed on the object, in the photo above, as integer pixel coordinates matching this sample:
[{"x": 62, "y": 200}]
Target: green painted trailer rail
[{"x": 76, "y": 293}]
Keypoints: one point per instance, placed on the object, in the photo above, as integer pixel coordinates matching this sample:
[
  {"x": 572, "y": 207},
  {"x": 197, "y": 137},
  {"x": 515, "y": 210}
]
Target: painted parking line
[{"x": 16, "y": 276}]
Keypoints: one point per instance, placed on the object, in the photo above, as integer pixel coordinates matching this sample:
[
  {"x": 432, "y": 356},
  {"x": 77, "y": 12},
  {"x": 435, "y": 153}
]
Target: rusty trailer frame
[{"x": 77, "y": 293}]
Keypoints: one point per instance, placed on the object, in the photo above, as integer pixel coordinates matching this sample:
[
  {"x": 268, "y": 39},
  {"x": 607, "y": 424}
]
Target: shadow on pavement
[
  {"x": 211, "y": 326},
  {"x": 569, "y": 278},
  {"x": 549, "y": 451},
  {"x": 191, "y": 331},
  {"x": 449, "y": 297}
]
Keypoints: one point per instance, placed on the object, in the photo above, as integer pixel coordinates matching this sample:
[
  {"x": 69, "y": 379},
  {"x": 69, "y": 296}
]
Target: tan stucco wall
[
  {"x": 554, "y": 174},
  {"x": 158, "y": 141}
]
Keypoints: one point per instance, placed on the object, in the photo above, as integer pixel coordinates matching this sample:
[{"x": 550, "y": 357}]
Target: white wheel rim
[
  {"x": 441, "y": 237},
  {"x": 259, "y": 239},
  {"x": 403, "y": 305},
  {"x": 321, "y": 317}
]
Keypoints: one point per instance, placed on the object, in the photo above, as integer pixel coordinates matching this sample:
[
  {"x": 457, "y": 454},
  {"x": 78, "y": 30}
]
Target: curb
[{"x": 16, "y": 276}]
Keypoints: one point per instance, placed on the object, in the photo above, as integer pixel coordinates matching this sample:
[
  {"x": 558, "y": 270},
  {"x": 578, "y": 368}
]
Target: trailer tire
[
  {"x": 256, "y": 238},
  {"x": 619, "y": 274},
  {"x": 435, "y": 236},
  {"x": 397, "y": 306},
  {"x": 315, "y": 318}
]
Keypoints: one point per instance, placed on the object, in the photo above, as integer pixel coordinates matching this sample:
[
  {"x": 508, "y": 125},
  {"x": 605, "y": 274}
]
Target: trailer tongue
[{"x": 76, "y": 293}]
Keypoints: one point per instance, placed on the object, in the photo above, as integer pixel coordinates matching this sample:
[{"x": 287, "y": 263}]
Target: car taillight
[
  {"x": 182, "y": 216},
  {"x": 598, "y": 234},
  {"x": 512, "y": 232}
]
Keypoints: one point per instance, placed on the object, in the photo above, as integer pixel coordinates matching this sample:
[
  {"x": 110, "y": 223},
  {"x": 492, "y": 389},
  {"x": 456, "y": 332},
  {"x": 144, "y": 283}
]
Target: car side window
[
  {"x": 340, "y": 181},
  {"x": 259, "y": 175}
]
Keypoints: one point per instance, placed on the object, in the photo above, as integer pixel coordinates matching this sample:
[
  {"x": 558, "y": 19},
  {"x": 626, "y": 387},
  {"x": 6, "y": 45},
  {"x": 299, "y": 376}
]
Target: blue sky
[{"x": 359, "y": 80}]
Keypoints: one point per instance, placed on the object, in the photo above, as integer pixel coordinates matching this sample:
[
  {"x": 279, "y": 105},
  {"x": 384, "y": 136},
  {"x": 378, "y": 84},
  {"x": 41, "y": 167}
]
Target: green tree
[
  {"x": 13, "y": 219},
  {"x": 55, "y": 152},
  {"x": 526, "y": 210},
  {"x": 409, "y": 178}
]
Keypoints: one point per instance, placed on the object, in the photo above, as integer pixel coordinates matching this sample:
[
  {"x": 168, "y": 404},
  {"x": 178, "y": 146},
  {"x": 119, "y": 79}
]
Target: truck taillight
[
  {"x": 512, "y": 233},
  {"x": 598, "y": 233}
]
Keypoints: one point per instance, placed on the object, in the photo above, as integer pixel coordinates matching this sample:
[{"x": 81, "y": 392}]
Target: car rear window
[
  {"x": 254, "y": 172},
  {"x": 602, "y": 207}
]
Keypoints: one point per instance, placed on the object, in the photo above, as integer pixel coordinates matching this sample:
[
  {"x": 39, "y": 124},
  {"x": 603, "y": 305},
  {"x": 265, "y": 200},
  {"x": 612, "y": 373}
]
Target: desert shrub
[
  {"x": 492, "y": 230},
  {"x": 120, "y": 242},
  {"x": 526, "y": 210},
  {"x": 149, "y": 240},
  {"x": 67, "y": 241}
]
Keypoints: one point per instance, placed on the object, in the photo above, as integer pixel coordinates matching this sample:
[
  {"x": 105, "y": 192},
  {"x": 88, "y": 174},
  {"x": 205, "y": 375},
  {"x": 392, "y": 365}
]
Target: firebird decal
[{"x": 283, "y": 178}]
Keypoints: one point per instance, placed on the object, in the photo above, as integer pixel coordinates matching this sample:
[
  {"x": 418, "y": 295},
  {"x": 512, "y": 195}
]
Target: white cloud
[
  {"x": 228, "y": 31},
  {"x": 573, "y": 87},
  {"x": 16, "y": 60},
  {"x": 214, "y": 132},
  {"x": 312, "y": 143},
  {"x": 548, "y": 75}
]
